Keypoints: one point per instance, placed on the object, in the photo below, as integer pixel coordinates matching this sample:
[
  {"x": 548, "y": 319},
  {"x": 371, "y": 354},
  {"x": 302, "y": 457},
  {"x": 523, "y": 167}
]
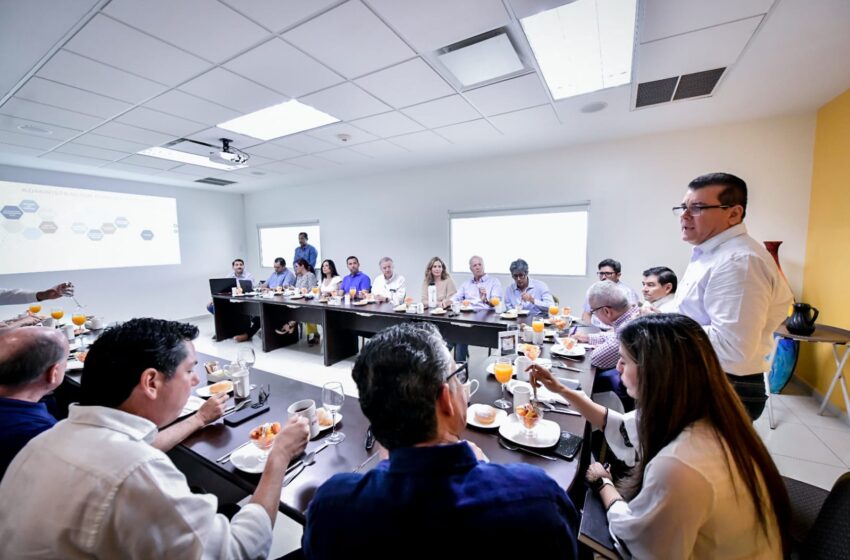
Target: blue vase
[{"x": 787, "y": 352}]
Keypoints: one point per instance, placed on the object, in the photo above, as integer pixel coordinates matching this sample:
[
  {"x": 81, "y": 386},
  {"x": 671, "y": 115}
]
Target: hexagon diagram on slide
[
  {"x": 108, "y": 228},
  {"x": 11, "y": 212},
  {"x": 48, "y": 227},
  {"x": 147, "y": 234},
  {"x": 95, "y": 234},
  {"x": 79, "y": 227},
  {"x": 122, "y": 222},
  {"x": 29, "y": 206},
  {"x": 32, "y": 233}
]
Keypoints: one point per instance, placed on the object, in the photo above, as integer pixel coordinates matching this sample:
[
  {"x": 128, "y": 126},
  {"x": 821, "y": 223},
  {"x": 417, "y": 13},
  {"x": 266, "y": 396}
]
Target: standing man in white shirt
[
  {"x": 388, "y": 282},
  {"x": 93, "y": 486},
  {"x": 732, "y": 286},
  {"x": 659, "y": 288},
  {"x": 13, "y": 296}
]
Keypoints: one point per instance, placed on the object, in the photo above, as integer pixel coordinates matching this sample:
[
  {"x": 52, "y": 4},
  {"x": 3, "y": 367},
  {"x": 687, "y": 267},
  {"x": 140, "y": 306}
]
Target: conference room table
[{"x": 342, "y": 325}]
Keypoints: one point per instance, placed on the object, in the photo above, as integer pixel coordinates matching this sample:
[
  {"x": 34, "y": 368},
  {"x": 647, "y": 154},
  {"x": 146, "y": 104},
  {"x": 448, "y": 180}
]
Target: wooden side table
[{"x": 828, "y": 335}]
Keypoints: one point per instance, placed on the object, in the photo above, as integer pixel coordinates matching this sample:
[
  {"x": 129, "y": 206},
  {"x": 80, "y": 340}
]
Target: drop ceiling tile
[
  {"x": 282, "y": 167},
  {"x": 81, "y": 72},
  {"x": 705, "y": 49},
  {"x": 146, "y": 161},
  {"x": 214, "y": 135},
  {"x": 388, "y": 124},
  {"x": 421, "y": 141},
  {"x": 178, "y": 176},
  {"x": 160, "y": 122},
  {"x": 350, "y": 39},
  {"x": 528, "y": 121},
  {"x": 271, "y": 15},
  {"x": 41, "y": 143},
  {"x": 329, "y": 134},
  {"x": 393, "y": 85},
  {"x": 508, "y": 95},
  {"x": 57, "y": 133},
  {"x": 304, "y": 144},
  {"x": 272, "y": 151},
  {"x": 129, "y": 168},
  {"x": 19, "y": 150},
  {"x": 283, "y": 68},
  {"x": 176, "y": 102},
  {"x": 311, "y": 162},
  {"x": 133, "y": 134},
  {"x": 66, "y": 97},
  {"x": 209, "y": 30},
  {"x": 665, "y": 18},
  {"x": 70, "y": 158},
  {"x": 50, "y": 115},
  {"x": 195, "y": 170},
  {"x": 230, "y": 90},
  {"x": 469, "y": 132},
  {"x": 345, "y": 102},
  {"x": 441, "y": 112},
  {"x": 345, "y": 155},
  {"x": 120, "y": 46},
  {"x": 90, "y": 152},
  {"x": 438, "y": 23},
  {"x": 380, "y": 149},
  {"x": 108, "y": 143}
]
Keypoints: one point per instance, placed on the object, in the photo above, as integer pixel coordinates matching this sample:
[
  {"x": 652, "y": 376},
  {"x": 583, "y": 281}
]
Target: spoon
[
  {"x": 308, "y": 460},
  {"x": 510, "y": 447}
]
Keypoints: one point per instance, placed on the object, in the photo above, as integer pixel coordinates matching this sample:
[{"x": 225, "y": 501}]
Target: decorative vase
[{"x": 787, "y": 350}]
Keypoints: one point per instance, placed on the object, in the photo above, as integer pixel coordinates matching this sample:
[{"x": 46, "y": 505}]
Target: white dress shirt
[
  {"x": 690, "y": 506},
  {"x": 330, "y": 285},
  {"x": 382, "y": 287},
  {"x": 732, "y": 288},
  {"x": 667, "y": 304},
  {"x": 93, "y": 487},
  {"x": 12, "y": 297}
]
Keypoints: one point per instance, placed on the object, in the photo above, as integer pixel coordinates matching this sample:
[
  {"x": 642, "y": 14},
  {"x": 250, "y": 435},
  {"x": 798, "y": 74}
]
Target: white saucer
[
  {"x": 522, "y": 312},
  {"x": 438, "y": 311},
  {"x": 361, "y": 302},
  {"x": 467, "y": 309},
  {"x": 470, "y": 417},
  {"x": 297, "y": 296},
  {"x": 508, "y": 315},
  {"x": 400, "y": 308},
  {"x": 192, "y": 405},
  {"x": 247, "y": 459},
  {"x": 545, "y": 434},
  {"x": 560, "y": 349},
  {"x": 543, "y": 393},
  {"x": 337, "y": 420},
  {"x": 204, "y": 391}
]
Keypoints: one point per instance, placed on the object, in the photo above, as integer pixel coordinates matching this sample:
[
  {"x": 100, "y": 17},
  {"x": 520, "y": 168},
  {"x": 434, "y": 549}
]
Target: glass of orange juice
[
  {"x": 57, "y": 313},
  {"x": 35, "y": 307},
  {"x": 553, "y": 311},
  {"x": 503, "y": 369},
  {"x": 79, "y": 319},
  {"x": 315, "y": 290},
  {"x": 494, "y": 301},
  {"x": 537, "y": 325},
  {"x": 352, "y": 292}
]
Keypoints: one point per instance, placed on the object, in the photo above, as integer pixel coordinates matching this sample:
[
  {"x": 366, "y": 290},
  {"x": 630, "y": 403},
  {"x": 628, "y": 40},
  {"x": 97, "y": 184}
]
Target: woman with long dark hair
[
  {"x": 329, "y": 278},
  {"x": 703, "y": 484}
]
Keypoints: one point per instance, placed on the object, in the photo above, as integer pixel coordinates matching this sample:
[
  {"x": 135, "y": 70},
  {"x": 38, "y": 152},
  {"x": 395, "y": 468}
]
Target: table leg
[{"x": 840, "y": 362}]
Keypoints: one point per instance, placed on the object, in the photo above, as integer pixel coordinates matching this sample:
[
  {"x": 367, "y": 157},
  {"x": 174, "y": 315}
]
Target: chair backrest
[{"x": 830, "y": 535}]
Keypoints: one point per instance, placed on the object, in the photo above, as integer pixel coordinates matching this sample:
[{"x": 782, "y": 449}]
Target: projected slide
[{"x": 56, "y": 228}]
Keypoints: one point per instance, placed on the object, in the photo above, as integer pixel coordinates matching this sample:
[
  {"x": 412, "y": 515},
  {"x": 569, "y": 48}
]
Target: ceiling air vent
[
  {"x": 214, "y": 181},
  {"x": 698, "y": 84},
  {"x": 659, "y": 91}
]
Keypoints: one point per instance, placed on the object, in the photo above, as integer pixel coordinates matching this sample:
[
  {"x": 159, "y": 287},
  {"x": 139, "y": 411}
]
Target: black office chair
[{"x": 830, "y": 534}]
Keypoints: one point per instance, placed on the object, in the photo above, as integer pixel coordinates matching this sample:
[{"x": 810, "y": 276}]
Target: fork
[{"x": 509, "y": 447}]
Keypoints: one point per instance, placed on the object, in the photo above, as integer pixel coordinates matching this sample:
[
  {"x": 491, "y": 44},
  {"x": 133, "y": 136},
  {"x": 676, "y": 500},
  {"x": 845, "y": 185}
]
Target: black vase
[{"x": 802, "y": 319}]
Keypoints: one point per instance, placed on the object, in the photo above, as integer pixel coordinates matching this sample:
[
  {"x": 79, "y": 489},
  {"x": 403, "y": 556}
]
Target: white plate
[
  {"x": 545, "y": 362},
  {"x": 204, "y": 391},
  {"x": 247, "y": 459},
  {"x": 545, "y": 434},
  {"x": 508, "y": 315},
  {"x": 192, "y": 405},
  {"x": 470, "y": 417},
  {"x": 467, "y": 309},
  {"x": 438, "y": 311},
  {"x": 361, "y": 302},
  {"x": 297, "y": 296},
  {"x": 543, "y": 393},
  {"x": 522, "y": 312},
  {"x": 74, "y": 364},
  {"x": 578, "y": 350},
  {"x": 337, "y": 420},
  {"x": 400, "y": 308}
]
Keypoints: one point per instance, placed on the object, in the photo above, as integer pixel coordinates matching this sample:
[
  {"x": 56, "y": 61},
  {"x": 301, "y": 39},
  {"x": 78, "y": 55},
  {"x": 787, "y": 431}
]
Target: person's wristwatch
[{"x": 597, "y": 484}]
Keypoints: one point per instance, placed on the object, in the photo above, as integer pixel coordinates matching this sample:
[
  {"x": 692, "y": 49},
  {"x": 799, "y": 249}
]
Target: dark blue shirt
[
  {"x": 21, "y": 421},
  {"x": 308, "y": 253},
  {"x": 441, "y": 502}
]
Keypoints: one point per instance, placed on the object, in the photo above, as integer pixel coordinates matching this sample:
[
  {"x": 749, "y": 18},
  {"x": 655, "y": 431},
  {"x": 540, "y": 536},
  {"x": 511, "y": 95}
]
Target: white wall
[
  {"x": 631, "y": 185},
  {"x": 211, "y": 236}
]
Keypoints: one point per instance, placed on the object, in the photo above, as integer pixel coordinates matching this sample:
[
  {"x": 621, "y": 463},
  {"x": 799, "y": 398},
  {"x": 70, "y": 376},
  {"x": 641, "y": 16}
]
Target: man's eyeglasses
[
  {"x": 519, "y": 275},
  {"x": 595, "y": 309},
  {"x": 696, "y": 209},
  {"x": 462, "y": 373},
  {"x": 605, "y": 274}
]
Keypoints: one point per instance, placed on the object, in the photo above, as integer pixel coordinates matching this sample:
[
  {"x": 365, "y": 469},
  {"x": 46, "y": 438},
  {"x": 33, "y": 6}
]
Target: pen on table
[{"x": 572, "y": 332}]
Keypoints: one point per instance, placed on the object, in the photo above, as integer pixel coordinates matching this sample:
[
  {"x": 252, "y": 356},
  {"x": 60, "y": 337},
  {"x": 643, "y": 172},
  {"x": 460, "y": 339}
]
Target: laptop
[{"x": 224, "y": 286}]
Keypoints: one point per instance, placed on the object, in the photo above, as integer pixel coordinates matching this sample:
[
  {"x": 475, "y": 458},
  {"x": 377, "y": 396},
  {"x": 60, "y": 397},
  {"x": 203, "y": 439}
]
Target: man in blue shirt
[
  {"x": 305, "y": 251},
  {"x": 527, "y": 293},
  {"x": 356, "y": 279},
  {"x": 281, "y": 276},
  {"x": 435, "y": 487}
]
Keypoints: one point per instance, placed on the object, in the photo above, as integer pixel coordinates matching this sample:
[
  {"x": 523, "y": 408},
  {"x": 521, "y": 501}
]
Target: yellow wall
[{"x": 826, "y": 274}]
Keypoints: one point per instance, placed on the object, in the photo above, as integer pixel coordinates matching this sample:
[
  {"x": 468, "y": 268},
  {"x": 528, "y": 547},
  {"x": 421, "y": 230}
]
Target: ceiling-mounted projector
[{"x": 228, "y": 155}]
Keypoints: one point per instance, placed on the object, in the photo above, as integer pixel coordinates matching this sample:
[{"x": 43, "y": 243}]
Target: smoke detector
[{"x": 343, "y": 137}]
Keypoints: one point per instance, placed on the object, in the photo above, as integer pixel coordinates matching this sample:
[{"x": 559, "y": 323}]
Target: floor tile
[
  {"x": 817, "y": 474},
  {"x": 837, "y": 440},
  {"x": 798, "y": 441}
]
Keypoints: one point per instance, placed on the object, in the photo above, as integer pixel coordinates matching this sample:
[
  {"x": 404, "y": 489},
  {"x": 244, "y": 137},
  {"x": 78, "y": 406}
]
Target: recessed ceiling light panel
[
  {"x": 186, "y": 157},
  {"x": 583, "y": 46},
  {"x": 279, "y": 120}
]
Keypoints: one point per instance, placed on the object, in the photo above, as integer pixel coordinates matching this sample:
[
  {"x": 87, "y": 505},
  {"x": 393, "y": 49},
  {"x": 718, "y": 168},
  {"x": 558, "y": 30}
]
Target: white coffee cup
[
  {"x": 455, "y": 307},
  {"x": 527, "y": 335},
  {"x": 241, "y": 383},
  {"x": 69, "y": 332},
  {"x": 48, "y": 322},
  {"x": 96, "y": 323},
  {"x": 307, "y": 409},
  {"x": 522, "y": 395},
  {"x": 469, "y": 388},
  {"x": 519, "y": 368}
]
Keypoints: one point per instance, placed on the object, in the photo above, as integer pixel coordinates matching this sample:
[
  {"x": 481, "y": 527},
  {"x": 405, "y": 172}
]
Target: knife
[
  {"x": 300, "y": 461},
  {"x": 562, "y": 366},
  {"x": 236, "y": 408}
]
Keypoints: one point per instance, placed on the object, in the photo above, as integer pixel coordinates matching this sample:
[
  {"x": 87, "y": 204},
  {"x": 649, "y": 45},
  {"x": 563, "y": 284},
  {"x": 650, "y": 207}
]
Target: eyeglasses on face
[
  {"x": 519, "y": 275},
  {"x": 595, "y": 309},
  {"x": 696, "y": 209},
  {"x": 462, "y": 373},
  {"x": 606, "y": 273}
]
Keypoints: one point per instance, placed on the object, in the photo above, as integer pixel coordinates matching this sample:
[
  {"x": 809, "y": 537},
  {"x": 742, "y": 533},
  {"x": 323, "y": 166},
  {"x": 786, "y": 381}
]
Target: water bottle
[{"x": 432, "y": 295}]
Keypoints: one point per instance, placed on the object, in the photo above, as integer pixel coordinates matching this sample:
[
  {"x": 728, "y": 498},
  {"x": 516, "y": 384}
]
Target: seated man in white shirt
[
  {"x": 388, "y": 283},
  {"x": 93, "y": 485},
  {"x": 659, "y": 288}
]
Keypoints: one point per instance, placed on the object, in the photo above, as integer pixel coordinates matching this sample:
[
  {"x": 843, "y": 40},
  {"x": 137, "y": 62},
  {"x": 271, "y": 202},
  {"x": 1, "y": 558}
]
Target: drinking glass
[
  {"x": 245, "y": 356},
  {"x": 35, "y": 308},
  {"x": 57, "y": 313},
  {"x": 263, "y": 437},
  {"x": 332, "y": 399},
  {"x": 352, "y": 292},
  {"x": 315, "y": 291},
  {"x": 537, "y": 325},
  {"x": 553, "y": 311},
  {"x": 79, "y": 319},
  {"x": 503, "y": 369}
]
